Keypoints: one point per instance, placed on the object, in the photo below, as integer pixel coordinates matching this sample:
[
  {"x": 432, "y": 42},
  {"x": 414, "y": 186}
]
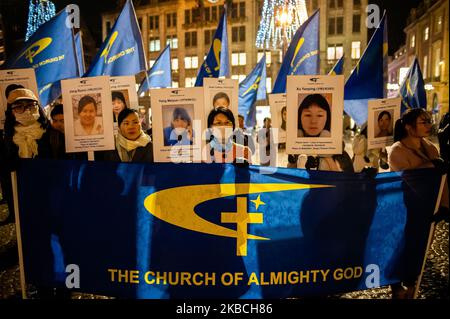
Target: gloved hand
[
  {"x": 312, "y": 162},
  {"x": 440, "y": 165},
  {"x": 369, "y": 171}
]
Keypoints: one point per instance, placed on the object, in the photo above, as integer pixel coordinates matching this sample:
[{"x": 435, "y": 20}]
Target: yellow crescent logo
[
  {"x": 177, "y": 205},
  {"x": 385, "y": 49},
  {"x": 254, "y": 86},
  {"x": 36, "y": 48},
  {"x": 297, "y": 48},
  {"x": 109, "y": 45},
  {"x": 217, "y": 46},
  {"x": 409, "y": 91}
]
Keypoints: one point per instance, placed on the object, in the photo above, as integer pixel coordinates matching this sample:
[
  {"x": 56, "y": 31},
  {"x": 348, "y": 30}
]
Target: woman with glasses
[
  {"x": 222, "y": 145},
  {"x": 412, "y": 150}
]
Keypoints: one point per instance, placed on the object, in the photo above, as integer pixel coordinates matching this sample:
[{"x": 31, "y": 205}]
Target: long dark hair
[
  {"x": 283, "y": 121},
  {"x": 380, "y": 116},
  {"x": 180, "y": 113},
  {"x": 221, "y": 110},
  {"x": 408, "y": 118},
  {"x": 321, "y": 102}
]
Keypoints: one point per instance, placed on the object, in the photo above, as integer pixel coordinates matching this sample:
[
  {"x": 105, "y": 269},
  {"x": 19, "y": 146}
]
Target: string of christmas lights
[
  {"x": 39, "y": 12},
  {"x": 280, "y": 19}
]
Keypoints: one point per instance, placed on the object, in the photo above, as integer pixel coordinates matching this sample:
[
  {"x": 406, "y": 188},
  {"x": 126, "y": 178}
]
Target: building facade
[
  {"x": 188, "y": 26},
  {"x": 397, "y": 69},
  {"x": 427, "y": 39}
]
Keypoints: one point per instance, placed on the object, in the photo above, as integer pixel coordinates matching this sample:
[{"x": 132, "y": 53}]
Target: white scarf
[
  {"x": 25, "y": 138},
  {"x": 124, "y": 145}
]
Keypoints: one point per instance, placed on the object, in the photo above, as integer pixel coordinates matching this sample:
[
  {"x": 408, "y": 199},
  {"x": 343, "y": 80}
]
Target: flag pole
[
  {"x": 18, "y": 234},
  {"x": 430, "y": 236}
]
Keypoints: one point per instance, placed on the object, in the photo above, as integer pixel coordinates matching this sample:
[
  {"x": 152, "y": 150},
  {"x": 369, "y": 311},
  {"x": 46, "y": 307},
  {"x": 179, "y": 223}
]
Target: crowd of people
[{"x": 28, "y": 133}]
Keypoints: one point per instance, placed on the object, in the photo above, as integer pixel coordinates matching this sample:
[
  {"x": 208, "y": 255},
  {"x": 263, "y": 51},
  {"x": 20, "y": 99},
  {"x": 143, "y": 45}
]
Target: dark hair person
[
  {"x": 118, "y": 103},
  {"x": 314, "y": 117},
  {"x": 283, "y": 118},
  {"x": 384, "y": 124},
  {"x": 88, "y": 122},
  {"x": 223, "y": 147},
  {"x": 221, "y": 99},
  {"x": 180, "y": 130}
]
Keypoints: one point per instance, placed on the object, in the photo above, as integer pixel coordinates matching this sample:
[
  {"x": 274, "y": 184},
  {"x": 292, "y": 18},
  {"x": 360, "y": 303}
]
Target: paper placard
[
  {"x": 221, "y": 92},
  {"x": 278, "y": 114},
  {"x": 383, "y": 114}
]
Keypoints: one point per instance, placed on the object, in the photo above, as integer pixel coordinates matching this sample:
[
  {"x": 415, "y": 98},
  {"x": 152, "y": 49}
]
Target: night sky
[{"x": 91, "y": 10}]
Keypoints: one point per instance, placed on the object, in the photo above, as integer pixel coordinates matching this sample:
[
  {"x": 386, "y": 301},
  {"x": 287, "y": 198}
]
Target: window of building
[
  {"x": 339, "y": 4},
  {"x": 239, "y": 77},
  {"x": 189, "y": 82},
  {"x": 426, "y": 33},
  {"x": 356, "y": 50},
  {"x": 238, "y": 34},
  {"x": 239, "y": 58},
  {"x": 187, "y": 16},
  {"x": 190, "y": 62},
  {"x": 335, "y": 25},
  {"x": 190, "y": 39},
  {"x": 214, "y": 14},
  {"x": 425, "y": 67},
  {"x": 153, "y": 22},
  {"x": 268, "y": 85},
  {"x": 175, "y": 84},
  {"x": 172, "y": 40},
  {"x": 331, "y": 26},
  {"x": 175, "y": 64},
  {"x": 209, "y": 35},
  {"x": 339, "y": 25},
  {"x": 268, "y": 57},
  {"x": 438, "y": 24},
  {"x": 151, "y": 62},
  {"x": 171, "y": 20},
  {"x": 154, "y": 45},
  {"x": 314, "y": 4},
  {"x": 412, "y": 42},
  {"x": 437, "y": 62},
  {"x": 335, "y": 52},
  {"x": 356, "y": 23},
  {"x": 356, "y": 3},
  {"x": 242, "y": 9}
]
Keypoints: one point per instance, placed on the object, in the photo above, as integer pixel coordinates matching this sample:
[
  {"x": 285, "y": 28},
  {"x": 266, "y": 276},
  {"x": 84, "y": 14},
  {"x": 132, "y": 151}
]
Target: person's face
[
  {"x": 87, "y": 115},
  {"x": 130, "y": 127},
  {"x": 58, "y": 122},
  {"x": 267, "y": 123},
  {"x": 221, "y": 102},
  {"x": 313, "y": 120},
  {"x": 222, "y": 126},
  {"x": 241, "y": 122},
  {"x": 283, "y": 115},
  {"x": 423, "y": 127},
  {"x": 384, "y": 123},
  {"x": 118, "y": 106},
  {"x": 22, "y": 106},
  {"x": 179, "y": 123}
]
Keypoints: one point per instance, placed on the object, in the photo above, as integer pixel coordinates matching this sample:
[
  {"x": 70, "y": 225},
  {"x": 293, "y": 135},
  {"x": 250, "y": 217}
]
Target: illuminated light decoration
[
  {"x": 280, "y": 19},
  {"x": 39, "y": 12}
]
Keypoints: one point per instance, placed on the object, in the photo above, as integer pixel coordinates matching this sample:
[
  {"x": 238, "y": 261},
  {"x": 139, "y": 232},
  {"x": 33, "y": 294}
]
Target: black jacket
[{"x": 141, "y": 155}]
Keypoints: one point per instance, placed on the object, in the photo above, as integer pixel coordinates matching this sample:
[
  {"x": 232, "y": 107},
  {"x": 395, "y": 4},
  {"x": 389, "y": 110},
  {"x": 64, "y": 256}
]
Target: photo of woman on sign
[{"x": 314, "y": 117}]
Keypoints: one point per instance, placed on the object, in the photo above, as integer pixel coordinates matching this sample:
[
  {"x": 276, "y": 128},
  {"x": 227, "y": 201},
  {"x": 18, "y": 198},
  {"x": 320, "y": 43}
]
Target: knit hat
[{"x": 21, "y": 94}]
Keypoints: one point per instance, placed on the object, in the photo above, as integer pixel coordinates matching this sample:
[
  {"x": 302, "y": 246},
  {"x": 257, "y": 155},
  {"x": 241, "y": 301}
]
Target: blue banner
[
  {"x": 338, "y": 68},
  {"x": 160, "y": 75},
  {"x": 368, "y": 78},
  {"x": 122, "y": 53},
  {"x": 220, "y": 231},
  {"x": 249, "y": 91},
  {"x": 50, "y": 51},
  {"x": 412, "y": 90},
  {"x": 217, "y": 62},
  {"x": 302, "y": 56}
]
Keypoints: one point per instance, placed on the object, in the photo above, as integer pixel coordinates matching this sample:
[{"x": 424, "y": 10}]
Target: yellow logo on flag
[
  {"x": 36, "y": 48},
  {"x": 108, "y": 47},
  {"x": 254, "y": 86},
  {"x": 177, "y": 205}
]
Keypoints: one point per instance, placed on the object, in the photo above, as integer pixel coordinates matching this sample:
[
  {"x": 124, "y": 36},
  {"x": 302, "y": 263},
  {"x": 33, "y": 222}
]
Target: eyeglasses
[
  {"x": 226, "y": 123},
  {"x": 20, "y": 107}
]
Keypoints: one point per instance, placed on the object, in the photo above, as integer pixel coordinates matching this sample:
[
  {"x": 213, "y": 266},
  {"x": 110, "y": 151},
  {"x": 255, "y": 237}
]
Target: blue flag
[
  {"x": 50, "y": 51},
  {"x": 183, "y": 231},
  {"x": 338, "y": 68},
  {"x": 217, "y": 62},
  {"x": 122, "y": 53},
  {"x": 79, "y": 50},
  {"x": 368, "y": 79},
  {"x": 160, "y": 75},
  {"x": 412, "y": 90},
  {"x": 248, "y": 92},
  {"x": 302, "y": 56}
]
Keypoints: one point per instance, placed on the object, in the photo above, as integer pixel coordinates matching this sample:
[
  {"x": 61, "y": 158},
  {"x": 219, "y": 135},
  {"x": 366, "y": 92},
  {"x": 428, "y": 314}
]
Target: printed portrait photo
[
  {"x": 221, "y": 98},
  {"x": 314, "y": 115},
  {"x": 177, "y": 124},
  {"x": 383, "y": 123},
  {"x": 87, "y": 114},
  {"x": 282, "y": 115},
  {"x": 120, "y": 101}
]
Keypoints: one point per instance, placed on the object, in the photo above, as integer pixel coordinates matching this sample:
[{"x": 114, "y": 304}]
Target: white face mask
[
  {"x": 222, "y": 133},
  {"x": 179, "y": 130},
  {"x": 27, "y": 118}
]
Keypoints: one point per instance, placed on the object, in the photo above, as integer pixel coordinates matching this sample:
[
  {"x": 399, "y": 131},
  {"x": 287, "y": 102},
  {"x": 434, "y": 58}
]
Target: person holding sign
[
  {"x": 180, "y": 130},
  {"x": 132, "y": 143},
  {"x": 88, "y": 123},
  {"x": 223, "y": 148},
  {"x": 119, "y": 104},
  {"x": 314, "y": 117},
  {"x": 384, "y": 124}
]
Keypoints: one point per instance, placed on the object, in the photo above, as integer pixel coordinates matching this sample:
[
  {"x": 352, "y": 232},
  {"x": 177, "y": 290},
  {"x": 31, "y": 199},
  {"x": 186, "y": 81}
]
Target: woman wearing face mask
[
  {"x": 25, "y": 123},
  {"x": 220, "y": 139},
  {"x": 180, "y": 130},
  {"x": 88, "y": 123},
  {"x": 132, "y": 144}
]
